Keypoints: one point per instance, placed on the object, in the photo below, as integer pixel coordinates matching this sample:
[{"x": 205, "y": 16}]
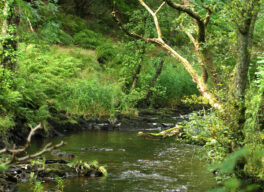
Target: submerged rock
[
  {"x": 47, "y": 170},
  {"x": 62, "y": 154}
]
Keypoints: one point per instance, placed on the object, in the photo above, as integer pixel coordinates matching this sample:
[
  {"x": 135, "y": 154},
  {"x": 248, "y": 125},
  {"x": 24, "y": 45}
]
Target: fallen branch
[
  {"x": 14, "y": 151},
  {"x": 163, "y": 134},
  {"x": 47, "y": 148},
  {"x": 178, "y": 132}
]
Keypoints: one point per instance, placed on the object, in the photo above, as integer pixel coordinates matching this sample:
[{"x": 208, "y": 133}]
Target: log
[{"x": 175, "y": 131}]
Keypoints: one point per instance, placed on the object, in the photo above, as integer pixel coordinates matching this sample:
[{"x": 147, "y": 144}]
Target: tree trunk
[
  {"x": 244, "y": 52},
  {"x": 9, "y": 39},
  {"x": 135, "y": 76},
  {"x": 242, "y": 66},
  {"x": 154, "y": 80}
]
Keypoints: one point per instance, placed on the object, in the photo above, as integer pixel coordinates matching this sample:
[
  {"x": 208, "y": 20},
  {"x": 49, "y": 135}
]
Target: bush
[
  {"x": 51, "y": 32},
  {"x": 42, "y": 72},
  {"x": 106, "y": 52},
  {"x": 87, "y": 39}
]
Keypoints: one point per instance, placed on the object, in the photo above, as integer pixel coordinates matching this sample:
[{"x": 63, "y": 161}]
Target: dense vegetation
[{"x": 102, "y": 58}]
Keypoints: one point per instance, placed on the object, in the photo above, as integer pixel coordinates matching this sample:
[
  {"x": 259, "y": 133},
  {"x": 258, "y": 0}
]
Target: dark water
[{"x": 135, "y": 164}]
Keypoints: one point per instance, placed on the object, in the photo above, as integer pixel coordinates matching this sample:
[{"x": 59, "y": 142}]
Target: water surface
[{"x": 135, "y": 164}]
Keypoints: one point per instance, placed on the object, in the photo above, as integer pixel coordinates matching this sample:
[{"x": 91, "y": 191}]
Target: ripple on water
[{"x": 138, "y": 175}]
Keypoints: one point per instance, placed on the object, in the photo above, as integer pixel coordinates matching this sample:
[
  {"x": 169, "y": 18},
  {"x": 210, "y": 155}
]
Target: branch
[
  {"x": 196, "y": 44},
  {"x": 185, "y": 9},
  {"x": 201, "y": 24},
  {"x": 131, "y": 34},
  {"x": 30, "y": 25},
  {"x": 47, "y": 148},
  {"x": 156, "y": 12},
  {"x": 14, "y": 151},
  {"x": 154, "y": 15},
  {"x": 208, "y": 14},
  {"x": 201, "y": 85}
]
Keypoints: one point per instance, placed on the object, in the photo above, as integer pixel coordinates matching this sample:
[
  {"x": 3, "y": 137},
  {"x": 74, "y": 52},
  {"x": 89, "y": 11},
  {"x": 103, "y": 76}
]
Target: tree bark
[
  {"x": 203, "y": 54},
  {"x": 244, "y": 53},
  {"x": 9, "y": 42},
  {"x": 135, "y": 76}
]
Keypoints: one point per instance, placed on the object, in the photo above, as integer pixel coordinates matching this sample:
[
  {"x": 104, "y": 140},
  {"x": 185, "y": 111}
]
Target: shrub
[
  {"x": 106, "y": 52},
  {"x": 87, "y": 39}
]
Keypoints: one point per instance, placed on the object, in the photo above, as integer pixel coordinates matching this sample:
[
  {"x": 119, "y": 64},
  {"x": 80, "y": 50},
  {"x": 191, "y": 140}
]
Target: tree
[
  {"x": 8, "y": 33},
  {"x": 201, "y": 84},
  {"x": 245, "y": 16}
]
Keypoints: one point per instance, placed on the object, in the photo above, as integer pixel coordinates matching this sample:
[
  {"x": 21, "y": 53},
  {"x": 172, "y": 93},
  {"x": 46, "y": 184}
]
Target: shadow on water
[{"x": 135, "y": 164}]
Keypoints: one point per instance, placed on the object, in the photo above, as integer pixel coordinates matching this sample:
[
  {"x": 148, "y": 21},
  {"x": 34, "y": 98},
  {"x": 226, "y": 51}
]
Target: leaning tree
[{"x": 198, "y": 15}]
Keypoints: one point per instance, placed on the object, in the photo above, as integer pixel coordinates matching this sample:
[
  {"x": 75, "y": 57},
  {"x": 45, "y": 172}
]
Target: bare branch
[
  {"x": 14, "y": 151},
  {"x": 156, "y": 12},
  {"x": 154, "y": 17},
  {"x": 146, "y": 7},
  {"x": 201, "y": 85},
  {"x": 196, "y": 44},
  {"x": 47, "y": 148}
]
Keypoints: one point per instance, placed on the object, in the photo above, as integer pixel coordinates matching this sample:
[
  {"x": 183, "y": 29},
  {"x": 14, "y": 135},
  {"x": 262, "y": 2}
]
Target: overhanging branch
[
  {"x": 15, "y": 151},
  {"x": 201, "y": 85}
]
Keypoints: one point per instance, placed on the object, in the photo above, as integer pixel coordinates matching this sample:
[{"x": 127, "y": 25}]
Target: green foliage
[
  {"x": 44, "y": 22},
  {"x": 36, "y": 185},
  {"x": 60, "y": 184},
  {"x": 89, "y": 98},
  {"x": 176, "y": 83},
  {"x": 106, "y": 52},
  {"x": 3, "y": 167},
  {"x": 51, "y": 33},
  {"x": 87, "y": 39},
  {"x": 230, "y": 167},
  {"x": 72, "y": 24},
  {"x": 42, "y": 74}
]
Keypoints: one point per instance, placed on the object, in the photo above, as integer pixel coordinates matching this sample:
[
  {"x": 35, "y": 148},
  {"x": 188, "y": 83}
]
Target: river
[{"x": 133, "y": 163}]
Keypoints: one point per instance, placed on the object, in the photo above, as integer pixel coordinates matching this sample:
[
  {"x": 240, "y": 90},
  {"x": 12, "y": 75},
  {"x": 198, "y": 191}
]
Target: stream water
[{"x": 134, "y": 163}]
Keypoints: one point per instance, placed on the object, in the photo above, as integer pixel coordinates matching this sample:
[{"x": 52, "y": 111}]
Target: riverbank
[{"x": 143, "y": 120}]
